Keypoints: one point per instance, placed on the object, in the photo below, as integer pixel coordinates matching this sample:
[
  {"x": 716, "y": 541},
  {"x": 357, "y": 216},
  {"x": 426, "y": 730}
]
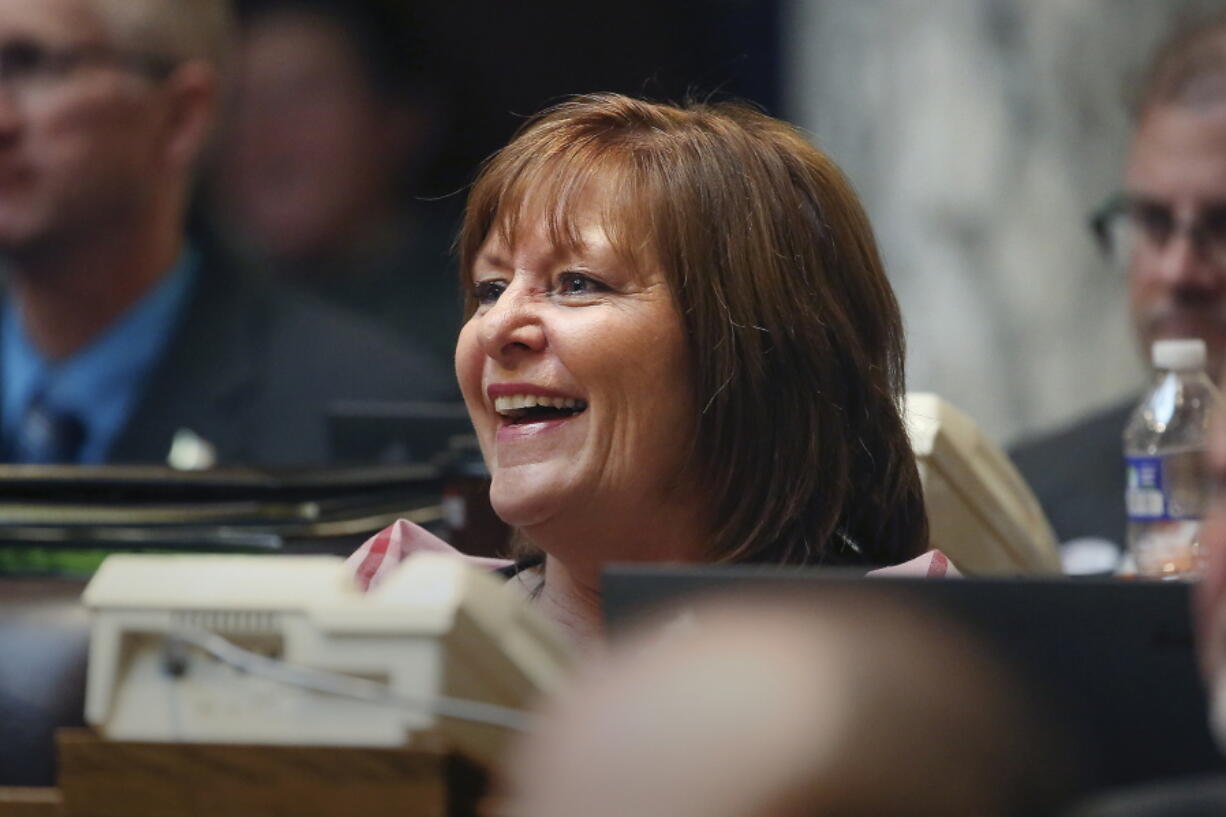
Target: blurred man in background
[
  {"x": 118, "y": 334},
  {"x": 1167, "y": 231},
  {"x": 332, "y": 123}
]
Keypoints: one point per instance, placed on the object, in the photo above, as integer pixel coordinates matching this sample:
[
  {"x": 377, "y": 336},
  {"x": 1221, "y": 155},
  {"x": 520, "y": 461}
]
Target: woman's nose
[{"x": 512, "y": 326}]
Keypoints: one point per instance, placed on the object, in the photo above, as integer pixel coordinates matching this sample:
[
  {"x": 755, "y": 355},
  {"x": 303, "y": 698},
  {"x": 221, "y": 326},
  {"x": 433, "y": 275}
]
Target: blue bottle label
[{"x": 1145, "y": 494}]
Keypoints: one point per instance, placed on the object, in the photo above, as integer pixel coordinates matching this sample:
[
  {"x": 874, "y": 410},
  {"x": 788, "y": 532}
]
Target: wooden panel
[{"x": 111, "y": 779}]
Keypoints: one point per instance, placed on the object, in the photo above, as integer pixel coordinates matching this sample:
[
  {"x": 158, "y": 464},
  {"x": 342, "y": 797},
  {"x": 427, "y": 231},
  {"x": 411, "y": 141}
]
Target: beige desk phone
[
  {"x": 981, "y": 513},
  {"x": 287, "y": 650}
]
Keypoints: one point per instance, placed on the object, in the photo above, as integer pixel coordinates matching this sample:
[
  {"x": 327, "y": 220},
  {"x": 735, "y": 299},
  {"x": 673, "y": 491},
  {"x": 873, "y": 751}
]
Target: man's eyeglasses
[
  {"x": 27, "y": 63},
  {"x": 1129, "y": 224}
]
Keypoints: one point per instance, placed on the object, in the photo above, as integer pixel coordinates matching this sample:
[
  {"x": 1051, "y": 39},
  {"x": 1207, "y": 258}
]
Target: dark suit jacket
[
  {"x": 1078, "y": 475},
  {"x": 253, "y": 367}
]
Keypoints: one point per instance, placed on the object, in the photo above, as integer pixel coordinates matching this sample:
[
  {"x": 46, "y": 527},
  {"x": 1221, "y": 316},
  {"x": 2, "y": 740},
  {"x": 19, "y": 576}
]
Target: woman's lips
[{"x": 525, "y": 411}]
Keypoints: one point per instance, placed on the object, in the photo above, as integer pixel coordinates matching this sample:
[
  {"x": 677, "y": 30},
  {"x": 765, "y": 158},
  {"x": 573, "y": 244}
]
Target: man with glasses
[
  {"x": 120, "y": 338},
  {"x": 1166, "y": 231}
]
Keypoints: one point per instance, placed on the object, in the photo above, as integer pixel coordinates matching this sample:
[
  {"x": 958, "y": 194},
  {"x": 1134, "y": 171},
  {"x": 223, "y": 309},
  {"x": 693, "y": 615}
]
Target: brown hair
[
  {"x": 795, "y": 338},
  {"x": 1189, "y": 69}
]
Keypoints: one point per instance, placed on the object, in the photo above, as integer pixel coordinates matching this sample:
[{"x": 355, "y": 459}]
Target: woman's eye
[
  {"x": 576, "y": 283},
  {"x": 486, "y": 292}
]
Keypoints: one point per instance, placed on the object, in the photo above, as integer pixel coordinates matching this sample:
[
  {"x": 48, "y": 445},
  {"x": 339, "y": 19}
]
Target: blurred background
[{"x": 980, "y": 133}]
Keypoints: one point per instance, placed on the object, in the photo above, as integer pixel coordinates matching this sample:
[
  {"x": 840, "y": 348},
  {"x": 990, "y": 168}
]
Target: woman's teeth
[
  {"x": 528, "y": 408},
  {"x": 515, "y": 402}
]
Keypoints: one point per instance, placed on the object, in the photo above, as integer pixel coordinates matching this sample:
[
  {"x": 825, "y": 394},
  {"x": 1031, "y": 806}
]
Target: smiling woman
[
  {"x": 579, "y": 324},
  {"x": 682, "y": 346}
]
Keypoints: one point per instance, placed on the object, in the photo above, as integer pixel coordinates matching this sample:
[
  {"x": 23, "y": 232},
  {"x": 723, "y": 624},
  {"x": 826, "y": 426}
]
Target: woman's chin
[{"x": 519, "y": 509}]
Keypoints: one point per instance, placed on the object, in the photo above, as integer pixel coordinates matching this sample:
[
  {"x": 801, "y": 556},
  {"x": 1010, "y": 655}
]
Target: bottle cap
[{"x": 1179, "y": 354}]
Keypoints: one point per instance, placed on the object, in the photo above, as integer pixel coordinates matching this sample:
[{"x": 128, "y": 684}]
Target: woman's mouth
[{"x": 518, "y": 409}]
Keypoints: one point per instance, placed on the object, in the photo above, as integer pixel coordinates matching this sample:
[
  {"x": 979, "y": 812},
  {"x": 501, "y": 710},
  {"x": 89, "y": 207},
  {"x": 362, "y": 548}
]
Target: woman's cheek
[{"x": 468, "y": 363}]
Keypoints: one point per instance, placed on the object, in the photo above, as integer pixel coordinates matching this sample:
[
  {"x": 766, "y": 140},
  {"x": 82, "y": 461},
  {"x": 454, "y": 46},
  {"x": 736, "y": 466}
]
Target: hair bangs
[{"x": 557, "y": 180}]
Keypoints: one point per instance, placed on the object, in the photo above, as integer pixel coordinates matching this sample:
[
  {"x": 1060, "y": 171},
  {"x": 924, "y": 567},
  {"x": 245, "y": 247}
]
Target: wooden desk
[
  {"x": 21, "y": 802},
  {"x": 110, "y": 779}
]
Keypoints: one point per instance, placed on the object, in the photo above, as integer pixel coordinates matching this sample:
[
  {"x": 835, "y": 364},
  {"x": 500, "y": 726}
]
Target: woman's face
[{"x": 575, "y": 372}]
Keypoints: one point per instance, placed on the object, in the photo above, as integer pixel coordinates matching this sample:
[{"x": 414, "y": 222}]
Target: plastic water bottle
[{"x": 1168, "y": 482}]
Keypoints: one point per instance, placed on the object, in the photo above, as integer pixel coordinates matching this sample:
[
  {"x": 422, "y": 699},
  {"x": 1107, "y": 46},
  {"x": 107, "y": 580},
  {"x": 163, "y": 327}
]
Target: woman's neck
[
  {"x": 572, "y": 600},
  {"x": 578, "y": 549}
]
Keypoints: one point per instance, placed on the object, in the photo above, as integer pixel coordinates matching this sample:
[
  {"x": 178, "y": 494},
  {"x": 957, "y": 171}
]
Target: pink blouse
[{"x": 387, "y": 548}]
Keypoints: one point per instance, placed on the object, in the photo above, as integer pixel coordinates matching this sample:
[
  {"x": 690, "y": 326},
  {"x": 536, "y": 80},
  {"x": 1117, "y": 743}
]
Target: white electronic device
[
  {"x": 981, "y": 513},
  {"x": 288, "y": 650}
]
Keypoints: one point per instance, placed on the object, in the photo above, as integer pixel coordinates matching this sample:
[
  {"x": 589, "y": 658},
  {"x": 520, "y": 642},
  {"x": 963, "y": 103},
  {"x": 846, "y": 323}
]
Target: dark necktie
[{"x": 47, "y": 436}]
